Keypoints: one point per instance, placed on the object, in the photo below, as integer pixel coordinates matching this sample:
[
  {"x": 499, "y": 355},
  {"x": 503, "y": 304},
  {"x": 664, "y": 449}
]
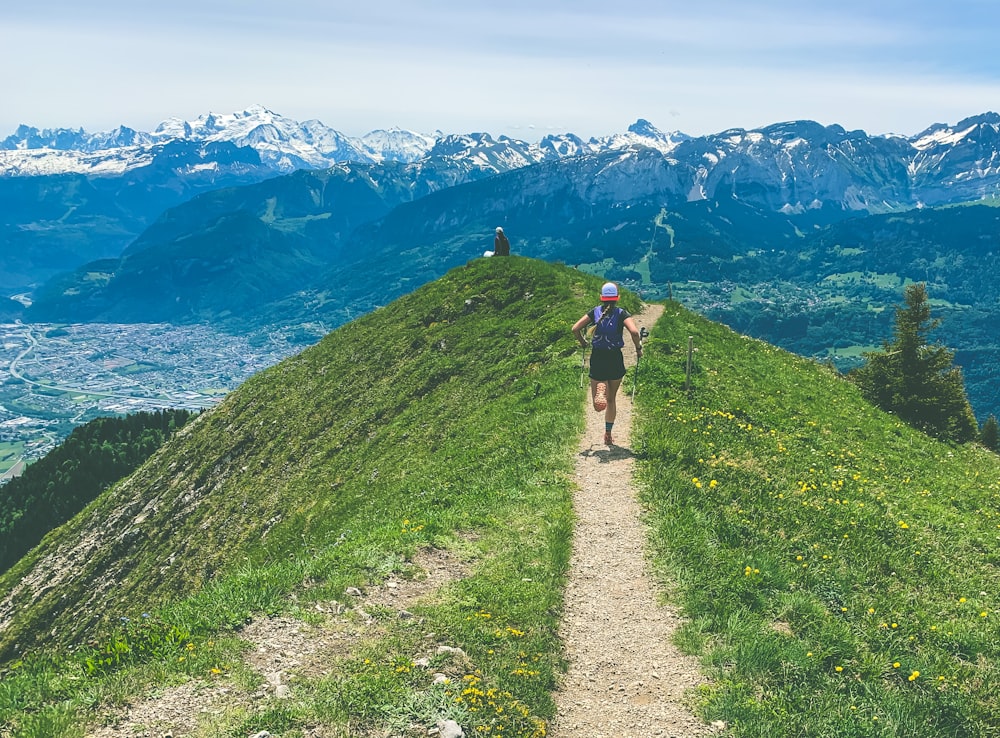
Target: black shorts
[{"x": 607, "y": 364}]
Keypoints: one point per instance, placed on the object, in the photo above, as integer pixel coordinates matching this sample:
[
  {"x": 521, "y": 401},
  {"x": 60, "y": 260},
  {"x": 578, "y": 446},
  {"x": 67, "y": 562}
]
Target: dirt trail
[
  {"x": 625, "y": 677},
  {"x": 282, "y": 650}
]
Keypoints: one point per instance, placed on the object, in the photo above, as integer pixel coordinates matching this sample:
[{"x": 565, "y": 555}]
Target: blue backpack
[{"x": 608, "y": 328}]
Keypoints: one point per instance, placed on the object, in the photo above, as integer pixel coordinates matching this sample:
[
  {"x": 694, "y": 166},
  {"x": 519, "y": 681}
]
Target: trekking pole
[
  {"x": 635, "y": 381},
  {"x": 583, "y": 362}
]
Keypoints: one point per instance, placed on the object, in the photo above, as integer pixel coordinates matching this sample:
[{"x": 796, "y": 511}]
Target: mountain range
[
  {"x": 283, "y": 144},
  {"x": 250, "y": 220},
  {"x": 941, "y": 164},
  {"x": 68, "y": 197}
]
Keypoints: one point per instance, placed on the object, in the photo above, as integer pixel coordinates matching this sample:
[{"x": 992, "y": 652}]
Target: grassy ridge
[
  {"x": 839, "y": 568},
  {"x": 444, "y": 420}
]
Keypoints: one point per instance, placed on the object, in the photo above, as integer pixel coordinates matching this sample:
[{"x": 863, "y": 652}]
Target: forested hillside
[{"x": 59, "y": 485}]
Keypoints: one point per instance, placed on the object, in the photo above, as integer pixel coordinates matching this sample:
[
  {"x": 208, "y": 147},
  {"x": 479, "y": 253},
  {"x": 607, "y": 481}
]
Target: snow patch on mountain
[
  {"x": 941, "y": 136},
  {"x": 791, "y": 164},
  {"x": 43, "y": 162}
]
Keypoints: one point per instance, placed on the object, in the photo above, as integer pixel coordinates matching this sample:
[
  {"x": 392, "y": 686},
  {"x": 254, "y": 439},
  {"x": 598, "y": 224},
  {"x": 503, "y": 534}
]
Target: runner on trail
[{"x": 607, "y": 365}]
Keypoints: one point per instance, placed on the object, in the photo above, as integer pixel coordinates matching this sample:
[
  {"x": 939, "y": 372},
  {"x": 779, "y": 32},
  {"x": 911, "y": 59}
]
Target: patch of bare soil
[
  {"x": 625, "y": 678},
  {"x": 281, "y": 650}
]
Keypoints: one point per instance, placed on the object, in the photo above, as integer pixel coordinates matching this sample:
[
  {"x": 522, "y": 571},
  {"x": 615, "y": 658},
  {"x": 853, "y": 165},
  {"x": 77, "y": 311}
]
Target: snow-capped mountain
[
  {"x": 800, "y": 165},
  {"x": 953, "y": 160},
  {"x": 282, "y": 142},
  {"x": 72, "y": 139},
  {"x": 790, "y": 167},
  {"x": 641, "y": 133},
  {"x": 396, "y": 144},
  {"x": 286, "y": 145}
]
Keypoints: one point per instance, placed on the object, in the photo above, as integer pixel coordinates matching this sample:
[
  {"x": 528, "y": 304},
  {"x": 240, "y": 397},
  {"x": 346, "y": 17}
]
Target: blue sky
[{"x": 517, "y": 68}]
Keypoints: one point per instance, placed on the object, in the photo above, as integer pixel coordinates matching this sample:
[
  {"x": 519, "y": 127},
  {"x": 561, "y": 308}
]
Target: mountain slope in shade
[{"x": 612, "y": 204}]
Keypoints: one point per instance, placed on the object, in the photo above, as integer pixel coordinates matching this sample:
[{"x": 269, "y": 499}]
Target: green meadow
[
  {"x": 837, "y": 571},
  {"x": 9, "y": 454}
]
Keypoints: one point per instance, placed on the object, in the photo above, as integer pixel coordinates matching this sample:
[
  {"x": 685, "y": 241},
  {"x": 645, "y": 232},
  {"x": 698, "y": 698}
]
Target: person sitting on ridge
[
  {"x": 501, "y": 246},
  {"x": 607, "y": 365}
]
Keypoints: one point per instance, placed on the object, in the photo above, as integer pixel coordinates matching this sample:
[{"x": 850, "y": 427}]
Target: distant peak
[
  {"x": 257, "y": 110},
  {"x": 990, "y": 119},
  {"x": 643, "y": 127},
  {"x": 808, "y": 129}
]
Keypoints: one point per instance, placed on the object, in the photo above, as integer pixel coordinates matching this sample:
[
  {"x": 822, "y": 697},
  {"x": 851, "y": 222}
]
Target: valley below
[{"x": 55, "y": 377}]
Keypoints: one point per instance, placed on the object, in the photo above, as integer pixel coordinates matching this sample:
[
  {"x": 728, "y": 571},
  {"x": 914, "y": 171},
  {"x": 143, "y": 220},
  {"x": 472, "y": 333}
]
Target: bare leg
[
  {"x": 598, "y": 393},
  {"x": 612, "y": 410}
]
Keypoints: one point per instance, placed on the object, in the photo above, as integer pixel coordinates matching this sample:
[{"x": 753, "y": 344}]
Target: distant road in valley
[{"x": 33, "y": 345}]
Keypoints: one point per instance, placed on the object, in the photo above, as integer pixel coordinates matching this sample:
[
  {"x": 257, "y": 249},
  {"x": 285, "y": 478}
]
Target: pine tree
[
  {"x": 989, "y": 435},
  {"x": 916, "y": 379}
]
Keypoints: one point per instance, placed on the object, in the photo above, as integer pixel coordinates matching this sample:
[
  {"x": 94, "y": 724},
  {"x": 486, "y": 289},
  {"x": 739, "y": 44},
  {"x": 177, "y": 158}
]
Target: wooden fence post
[{"x": 687, "y": 383}]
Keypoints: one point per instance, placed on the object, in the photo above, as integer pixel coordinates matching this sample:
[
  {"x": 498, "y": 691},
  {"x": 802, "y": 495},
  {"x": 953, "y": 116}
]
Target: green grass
[
  {"x": 137, "y": 367},
  {"x": 839, "y": 569},
  {"x": 597, "y": 268},
  {"x": 446, "y": 420},
  {"x": 882, "y": 281},
  {"x": 853, "y": 352}
]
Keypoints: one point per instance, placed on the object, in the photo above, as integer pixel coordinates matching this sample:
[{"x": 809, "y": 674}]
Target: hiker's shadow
[{"x": 607, "y": 454}]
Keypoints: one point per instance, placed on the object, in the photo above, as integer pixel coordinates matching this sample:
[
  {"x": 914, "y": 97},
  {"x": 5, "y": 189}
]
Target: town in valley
[{"x": 56, "y": 377}]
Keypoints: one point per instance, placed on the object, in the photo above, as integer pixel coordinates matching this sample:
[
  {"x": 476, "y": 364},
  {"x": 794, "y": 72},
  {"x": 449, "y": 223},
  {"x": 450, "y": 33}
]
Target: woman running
[{"x": 607, "y": 365}]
